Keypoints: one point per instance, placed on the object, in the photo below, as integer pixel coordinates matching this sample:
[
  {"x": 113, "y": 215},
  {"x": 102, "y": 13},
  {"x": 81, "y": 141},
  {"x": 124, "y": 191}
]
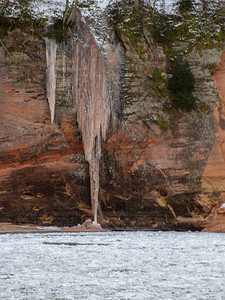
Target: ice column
[
  {"x": 91, "y": 104},
  {"x": 51, "y": 48}
]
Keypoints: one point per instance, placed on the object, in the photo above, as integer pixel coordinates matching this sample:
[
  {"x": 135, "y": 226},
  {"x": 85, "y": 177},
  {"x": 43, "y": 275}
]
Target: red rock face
[
  {"x": 144, "y": 185},
  {"x": 214, "y": 173},
  {"x": 153, "y": 165},
  {"x": 44, "y": 177},
  {"x": 163, "y": 174}
]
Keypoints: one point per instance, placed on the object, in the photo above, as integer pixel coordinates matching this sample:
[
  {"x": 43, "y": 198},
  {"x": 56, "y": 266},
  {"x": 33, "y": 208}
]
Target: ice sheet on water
[{"x": 112, "y": 265}]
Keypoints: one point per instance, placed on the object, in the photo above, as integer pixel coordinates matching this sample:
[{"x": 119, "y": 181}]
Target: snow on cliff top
[
  {"x": 51, "y": 8},
  {"x": 55, "y": 8}
]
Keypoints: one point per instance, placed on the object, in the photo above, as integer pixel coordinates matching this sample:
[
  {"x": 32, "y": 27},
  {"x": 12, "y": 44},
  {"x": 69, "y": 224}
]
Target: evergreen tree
[{"x": 182, "y": 85}]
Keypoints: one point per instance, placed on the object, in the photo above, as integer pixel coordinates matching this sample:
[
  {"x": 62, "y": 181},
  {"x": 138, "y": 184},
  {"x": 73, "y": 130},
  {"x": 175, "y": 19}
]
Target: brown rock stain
[{"x": 214, "y": 173}]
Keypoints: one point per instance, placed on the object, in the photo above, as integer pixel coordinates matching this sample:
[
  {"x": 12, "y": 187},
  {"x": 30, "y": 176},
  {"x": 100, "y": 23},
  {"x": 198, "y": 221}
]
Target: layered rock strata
[
  {"x": 213, "y": 180},
  {"x": 44, "y": 176},
  {"x": 155, "y": 166},
  {"x": 160, "y": 168}
]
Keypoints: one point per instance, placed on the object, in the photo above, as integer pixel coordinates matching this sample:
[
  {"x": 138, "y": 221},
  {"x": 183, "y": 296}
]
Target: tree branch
[
  {"x": 66, "y": 12},
  {"x": 70, "y": 14}
]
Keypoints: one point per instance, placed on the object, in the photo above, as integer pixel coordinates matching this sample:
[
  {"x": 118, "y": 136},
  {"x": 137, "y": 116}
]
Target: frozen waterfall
[
  {"x": 51, "y": 48},
  {"x": 96, "y": 93},
  {"x": 95, "y": 87},
  {"x": 92, "y": 106}
]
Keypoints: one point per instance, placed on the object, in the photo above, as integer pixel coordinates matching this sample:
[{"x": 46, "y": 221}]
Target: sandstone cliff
[
  {"x": 44, "y": 177},
  {"x": 161, "y": 166}
]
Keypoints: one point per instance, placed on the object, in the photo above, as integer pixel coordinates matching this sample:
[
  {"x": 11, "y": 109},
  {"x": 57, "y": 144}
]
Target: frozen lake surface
[{"x": 112, "y": 265}]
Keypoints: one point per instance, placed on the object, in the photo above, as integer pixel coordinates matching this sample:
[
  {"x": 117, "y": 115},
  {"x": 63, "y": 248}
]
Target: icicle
[
  {"x": 51, "y": 48},
  {"x": 92, "y": 107},
  {"x": 96, "y": 96},
  {"x": 64, "y": 70}
]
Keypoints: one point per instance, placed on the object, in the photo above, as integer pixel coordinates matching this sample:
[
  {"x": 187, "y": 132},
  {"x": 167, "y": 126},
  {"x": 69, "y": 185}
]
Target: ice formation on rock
[
  {"x": 51, "y": 48},
  {"x": 92, "y": 107},
  {"x": 96, "y": 99}
]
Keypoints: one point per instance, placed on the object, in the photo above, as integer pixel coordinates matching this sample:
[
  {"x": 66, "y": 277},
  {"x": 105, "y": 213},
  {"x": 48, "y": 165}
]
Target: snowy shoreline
[{"x": 87, "y": 226}]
